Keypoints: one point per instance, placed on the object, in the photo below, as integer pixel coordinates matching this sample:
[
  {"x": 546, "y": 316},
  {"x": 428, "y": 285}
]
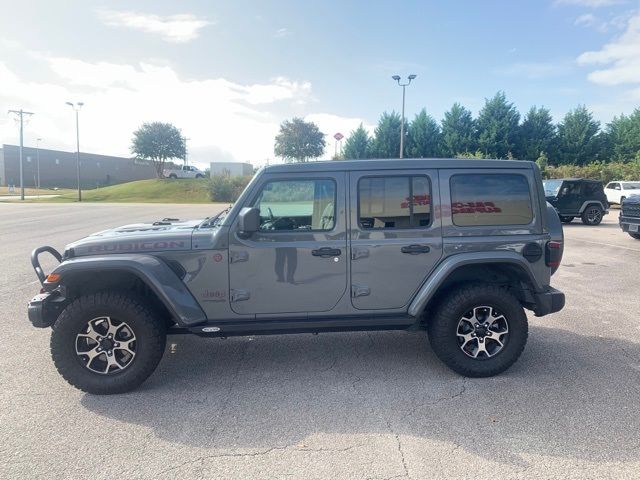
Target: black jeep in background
[{"x": 577, "y": 197}]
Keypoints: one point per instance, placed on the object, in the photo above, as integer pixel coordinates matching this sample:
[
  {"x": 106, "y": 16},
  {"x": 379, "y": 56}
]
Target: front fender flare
[
  {"x": 450, "y": 264},
  {"x": 151, "y": 270}
]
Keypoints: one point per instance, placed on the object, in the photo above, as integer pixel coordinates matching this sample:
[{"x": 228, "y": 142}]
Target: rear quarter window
[{"x": 490, "y": 199}]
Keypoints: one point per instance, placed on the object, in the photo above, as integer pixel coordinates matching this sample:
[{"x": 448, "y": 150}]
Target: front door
[
  {"x": 297, "y": 261},
  {"x": 396, "y": 238}
]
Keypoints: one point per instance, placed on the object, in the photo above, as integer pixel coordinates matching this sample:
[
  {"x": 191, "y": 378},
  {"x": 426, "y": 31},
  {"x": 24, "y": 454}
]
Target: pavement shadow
[{"x": 568, "y": 396}]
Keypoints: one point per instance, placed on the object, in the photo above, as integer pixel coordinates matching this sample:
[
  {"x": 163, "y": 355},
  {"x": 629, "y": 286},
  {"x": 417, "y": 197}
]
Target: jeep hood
[{"x": 165, "y": 235}]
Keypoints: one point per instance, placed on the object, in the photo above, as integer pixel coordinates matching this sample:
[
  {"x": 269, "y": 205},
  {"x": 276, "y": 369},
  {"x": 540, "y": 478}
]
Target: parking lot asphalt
[{"x": 344, "y": 405}]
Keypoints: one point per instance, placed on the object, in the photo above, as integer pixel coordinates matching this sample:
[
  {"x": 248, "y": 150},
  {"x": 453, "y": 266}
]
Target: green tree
[
  {"x": 158, "y": 142},
  {"x": 386, "y": 139},
  {"x": 497, "y": 126},
  {"x": 578, "y": 140},
  {"x": 457, "y": 131},
  {"x": 299, "y": 141},
  {"x": 424, "y": 137},
  {"x": 357, "y": 145},
  {"x": 624, "y": 136},
  {"x": 537, "y": 134}
]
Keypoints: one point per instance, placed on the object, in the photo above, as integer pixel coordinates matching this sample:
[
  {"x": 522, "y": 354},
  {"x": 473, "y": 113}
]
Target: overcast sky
[{"x": 227, "y": 73}]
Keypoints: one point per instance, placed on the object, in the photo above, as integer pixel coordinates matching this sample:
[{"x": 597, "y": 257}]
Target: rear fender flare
[
  {"x": 450, "y": 264},
  {"x": 151, "y": 270}
]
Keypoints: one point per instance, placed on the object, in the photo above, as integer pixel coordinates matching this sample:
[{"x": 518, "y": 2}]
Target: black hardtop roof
[
  {"x": 576, "y": 180},
  {"x": 396, "y": 164}
]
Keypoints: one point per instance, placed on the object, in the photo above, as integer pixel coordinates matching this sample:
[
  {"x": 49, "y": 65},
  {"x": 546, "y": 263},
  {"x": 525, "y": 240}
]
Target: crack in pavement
[
  {"x": 463, "y": 389},
  {"x": 399, "y": 443},
  {"x": 203, "y": 458}
]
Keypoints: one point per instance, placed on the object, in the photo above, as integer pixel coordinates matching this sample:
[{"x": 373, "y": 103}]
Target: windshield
[
  {"x": 551, "y": 187},
  {"x": 631, "y": 186}
]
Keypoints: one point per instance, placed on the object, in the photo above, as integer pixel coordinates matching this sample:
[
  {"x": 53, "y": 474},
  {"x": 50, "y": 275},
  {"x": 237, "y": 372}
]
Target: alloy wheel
[
  {"x": 106, "y": 345},
  {"x": 482, "y": 332}
]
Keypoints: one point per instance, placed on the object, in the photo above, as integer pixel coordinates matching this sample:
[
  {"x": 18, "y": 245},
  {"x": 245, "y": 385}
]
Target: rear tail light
[{"x": 553, "y": 253}]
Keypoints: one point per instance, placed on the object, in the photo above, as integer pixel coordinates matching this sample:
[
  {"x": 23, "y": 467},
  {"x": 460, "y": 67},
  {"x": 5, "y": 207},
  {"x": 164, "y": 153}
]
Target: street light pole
[
  {"x": 404, "y": 86},
  {"x": 21, "y": 113},
  {"x": 76, "y": 107}
]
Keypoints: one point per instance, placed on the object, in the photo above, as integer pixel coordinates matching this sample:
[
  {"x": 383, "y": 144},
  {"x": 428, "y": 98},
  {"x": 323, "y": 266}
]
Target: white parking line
[{"x": 606, "y": 244}]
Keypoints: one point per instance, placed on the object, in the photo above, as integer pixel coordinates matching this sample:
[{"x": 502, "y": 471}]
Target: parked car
[
  {"x": 577, "y": 197},
  {"x": 630, "y": 216},
  {"x": 617, "y": 191},
  {"x": 457, "y": 247},
  {"x": 185, "y": 171}
]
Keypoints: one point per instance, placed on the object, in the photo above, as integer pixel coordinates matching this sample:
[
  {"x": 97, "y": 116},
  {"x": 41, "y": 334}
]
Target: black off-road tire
[
  {"x": 592, "y": 215},
  {"x": 565, "y": 219},
  {"x": 149, "y": 330},
  {"x": 442, "y": 329},
  {"x": 634, "y": 235},
  {"x": 199, "y": 176},
  {"x": 173, "y": 176}
]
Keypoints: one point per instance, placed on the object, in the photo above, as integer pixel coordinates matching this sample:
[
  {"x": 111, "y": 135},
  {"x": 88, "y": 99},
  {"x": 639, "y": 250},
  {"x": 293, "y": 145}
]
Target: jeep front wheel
[
  {"x": 478, "y": 330},
  {"x": 107, "y": 343},
  {"x": 634, "y": 235},
  {"x": 592, "y": 215}
]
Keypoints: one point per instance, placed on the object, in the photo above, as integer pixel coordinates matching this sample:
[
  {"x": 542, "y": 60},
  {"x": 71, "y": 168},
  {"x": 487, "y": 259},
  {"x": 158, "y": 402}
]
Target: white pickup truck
[
  {"x": 186, "y": 171},
  {"x": 617, "y": 191}
]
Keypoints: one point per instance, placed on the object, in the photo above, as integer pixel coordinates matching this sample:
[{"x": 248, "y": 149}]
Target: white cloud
[
  {"x": 224, "y": 120},
  {"x": 282, "y": 32},
  {"x": 172, "y": 28},
  {"x": 331, "y": 124},
  {"x": 590, "y": 20},
  {"x": 591, "y": 3},
  {"x": 620, "y": 58}
]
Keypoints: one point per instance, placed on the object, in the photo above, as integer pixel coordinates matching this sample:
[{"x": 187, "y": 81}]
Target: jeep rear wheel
[
  {"x": 565, "y": 219},
  {"x": 478, "y": 330},
  {"x": 592, "y": 215},
  {"x": 107, "y": 342}
]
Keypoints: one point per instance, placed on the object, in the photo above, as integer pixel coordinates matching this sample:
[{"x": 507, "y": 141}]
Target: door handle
[
  {"x": 415, "y": 249},
  {"x": 326, "y": 252}
]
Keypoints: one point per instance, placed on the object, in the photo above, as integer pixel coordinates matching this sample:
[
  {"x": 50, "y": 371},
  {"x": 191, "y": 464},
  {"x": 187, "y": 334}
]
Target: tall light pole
[
  {"x": 404, "y": 86},
  {"x": 76, "y": 108},
  {"x": 38, "y": 140},
  {"x": 20, "y": 114}
]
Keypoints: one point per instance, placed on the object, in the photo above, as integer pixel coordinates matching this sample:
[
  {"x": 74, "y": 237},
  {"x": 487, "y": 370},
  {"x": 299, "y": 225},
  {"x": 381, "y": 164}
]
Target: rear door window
[
  {"x": 490, "y": 199},
  {"x": 394, "y": 202}
]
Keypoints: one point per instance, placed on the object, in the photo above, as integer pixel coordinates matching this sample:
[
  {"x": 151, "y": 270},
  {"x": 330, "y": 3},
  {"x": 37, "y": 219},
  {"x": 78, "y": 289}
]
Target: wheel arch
[
  {"x": 590, "y": 202},
  {"x": 506, "y": 268},
  {"x": 145, "y": 275}
]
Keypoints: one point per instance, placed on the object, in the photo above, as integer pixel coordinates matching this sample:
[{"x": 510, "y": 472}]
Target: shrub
[
  {"x": 606, "y": 172},
  {"x": 225, "y": 188}
]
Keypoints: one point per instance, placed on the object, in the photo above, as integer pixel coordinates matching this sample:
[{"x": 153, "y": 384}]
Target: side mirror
[{"x": 248, "y": 222}]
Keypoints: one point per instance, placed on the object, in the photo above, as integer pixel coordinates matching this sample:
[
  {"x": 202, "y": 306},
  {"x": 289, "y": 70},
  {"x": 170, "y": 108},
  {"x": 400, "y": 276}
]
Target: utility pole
[
  {"x": 20, "y": 114},
  {"x": 76, "y": 107},
  {"x": 404, "y": 86},
  {"x": 38, "y": 140}
]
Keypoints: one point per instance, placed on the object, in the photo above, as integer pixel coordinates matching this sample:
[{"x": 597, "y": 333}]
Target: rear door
[
  {"x": 297, "y": 261},
  {"x": 396, "y": 238}
]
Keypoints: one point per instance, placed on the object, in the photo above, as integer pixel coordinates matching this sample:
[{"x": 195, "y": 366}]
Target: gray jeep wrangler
[{"x": 457, "y": 247}]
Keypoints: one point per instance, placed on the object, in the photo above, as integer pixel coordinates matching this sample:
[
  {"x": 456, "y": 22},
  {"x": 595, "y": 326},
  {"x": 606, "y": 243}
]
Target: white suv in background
[
  {"x": 617, "y": 191},
  {"x": 185, "y": 171}
]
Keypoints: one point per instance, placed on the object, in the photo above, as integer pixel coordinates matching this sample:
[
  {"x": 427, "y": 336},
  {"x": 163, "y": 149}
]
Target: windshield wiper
[{"x": 210, "y": 221}]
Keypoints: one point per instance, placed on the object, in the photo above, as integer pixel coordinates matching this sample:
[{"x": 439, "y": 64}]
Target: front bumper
[
  {"x": 44, "y": 309},
  {"x": 626, "y": 221},
  {"x": 549, "y": 301}
]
